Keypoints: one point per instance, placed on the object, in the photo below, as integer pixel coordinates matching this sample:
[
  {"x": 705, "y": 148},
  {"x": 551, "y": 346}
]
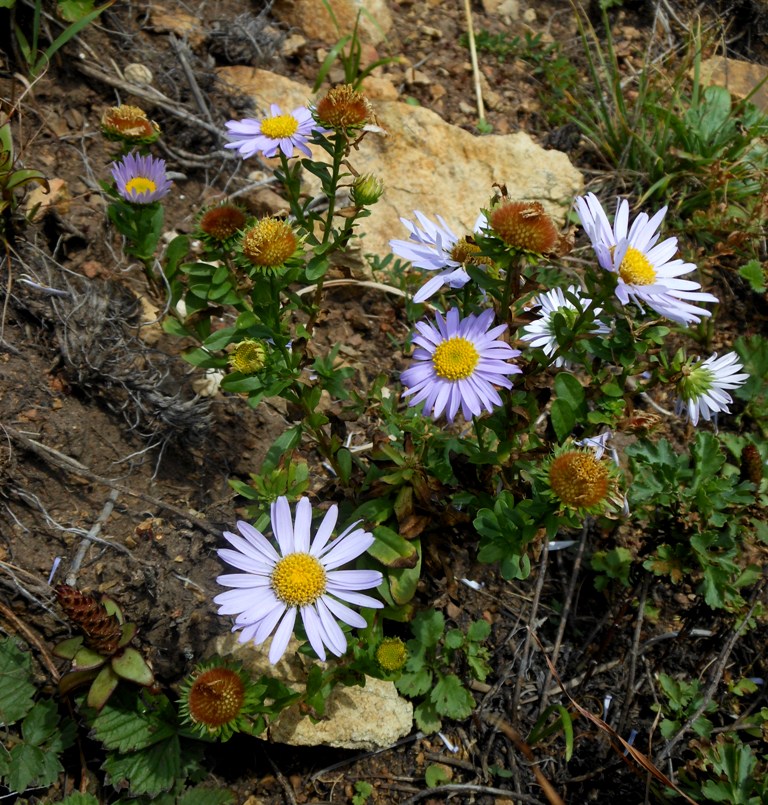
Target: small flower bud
[
  {"x": 248, "y": 357},
  {"x": 391, "y": 654},
  {"x": 130, "y": 125},
  {"x": 366, "y": 190}
]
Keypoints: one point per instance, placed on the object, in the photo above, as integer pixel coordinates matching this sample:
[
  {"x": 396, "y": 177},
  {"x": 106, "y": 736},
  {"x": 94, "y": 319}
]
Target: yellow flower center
[
  {"x": 298, "y": 579},
  {"x": 140, "y": 185},
  {"x": 455, "y": 359},
  {"x": 216, "y": 697},
  {"x": 391, "y": 654},
  {"x": 464, "y": 251},
  {"x": 636, "y": 268},
  {"x": 579, "y": 479},
  {"x": 249, "y": 357},
  {"x": 269, "y": 243},
  {"x": 279, "y": 126}
]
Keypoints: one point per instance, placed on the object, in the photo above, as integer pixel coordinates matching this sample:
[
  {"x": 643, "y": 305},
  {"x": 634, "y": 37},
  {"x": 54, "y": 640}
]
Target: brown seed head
[
  {"x": 344, "y": 108},
  {"x": 216, "y": 698},
  {"x": 751, "y": 464},
  {"x": 269, "y": 243},
  {"x": 101, "y": 631},
  {"x": 222, "y": 221},
  {"x": 578, "y": 479},
  {"x": 129, "y": 123},
  {"x": 525, "y": 225}
]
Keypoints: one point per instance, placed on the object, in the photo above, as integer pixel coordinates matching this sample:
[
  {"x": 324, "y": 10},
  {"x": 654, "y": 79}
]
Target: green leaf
[
  {"x": 428, "y": 627},
  {"x": 344, "y": 460},
  {"x": 132, "y": 666},
  {"x": 753, "y": 273},
  {"x": 454, "y": 639},
  {"x": 148, "y": 771},
  {"x": 392, "y": 550},
  {"x": 16, "y": 691},
  {"x": 286, "y": 442},
  {"x": 436, "y": 774},
  {"x": 563, "y": 419},
  {"x": 102, "y": 687},
  {"x": 127, "y": 723},
  {"x": 478, "y": 631},
  {"x": 80, "y": 799},
  {"x": 31, "y": 765},
  {"x": 451, "y": 698},
  {"x": 414, "y": 684},
  {"x": 40, "y": 723},
  {"x": 426, "y": 717}
]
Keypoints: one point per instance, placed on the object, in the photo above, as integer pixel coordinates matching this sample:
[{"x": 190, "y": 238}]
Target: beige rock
[
  {"x": 183, "y": 25},
  {"x": 312, "y": 17},
  {"x": 380, "y": 88},
  {"x": 430, "y": 165},
  {"x": 366, "y": 718},
  {"x": 40, "y": 200},
  {"x": 739, "y": 77}
]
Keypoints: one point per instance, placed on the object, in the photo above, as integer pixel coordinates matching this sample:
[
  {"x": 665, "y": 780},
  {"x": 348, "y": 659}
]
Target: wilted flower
[
  {"x": 344, "y": 107},
  {"x": 216, "y": 699},
  {"x": 268, "y": 243},
  {"x": 129, "y": 124},
  {"x": 435, "y": 247},
  {"x": 702, "y": 388},
  {"x": 302, "y": 577},
  {"x": 457, "y": 364},
  {"x": 525, "y": 226},
  {"x": 278, "y": 132},
  {"x": 220, "y": 224},
  {"x": 141, "y": 179},
  {"x": 248, "y": 357},
  {"x": 541, "y": 332},
  {"x": 644, "y": 269}
]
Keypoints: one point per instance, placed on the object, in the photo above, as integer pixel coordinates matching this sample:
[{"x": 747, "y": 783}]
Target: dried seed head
[
  {"x": 221, "y": 223},
  {"x": 524, "y": 225},
  {"x": 751, "y": 464},
  {"x": 129, "y": 124},
  {"x": 101, "y": 631},
  {"x": 344, "y": 107},
  {"x": 579, "y": 480}
]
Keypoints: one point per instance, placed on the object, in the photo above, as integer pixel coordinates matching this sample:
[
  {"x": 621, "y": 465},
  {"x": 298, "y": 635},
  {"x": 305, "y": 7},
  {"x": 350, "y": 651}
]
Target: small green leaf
[
  {"x": 16, "y": 691},
  {"x": 68, "y": 648},
  {"x": 414, "y": 684},
  {"x": 563, "y": 419},
  {"x": 436, "y": 774},
  {"x": 79, "y": 799},
  {"x": 31, "y": 765},
  {"x": 451, "y": 698},
  {"x": 40, "y": 723},
  {"x": 102, "y": 688},
  {"x": 392, "y": 550},
  {"x": 127, "y": 723},
  {"x": 426, "y": 717},
  {"x": 428, "y": 627},
  {"x": 200, "y": 795},
  {"x": 86, "y": 658},
  {"x": 479, "y": 631},
  {"x": 148, "y": 771},
  {"x": 132, "y": 666},
  {"x": 754, "y": 274}
]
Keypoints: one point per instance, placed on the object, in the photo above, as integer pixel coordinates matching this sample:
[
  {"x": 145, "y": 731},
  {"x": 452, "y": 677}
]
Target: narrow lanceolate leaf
[{"x": 16, "y": 691}]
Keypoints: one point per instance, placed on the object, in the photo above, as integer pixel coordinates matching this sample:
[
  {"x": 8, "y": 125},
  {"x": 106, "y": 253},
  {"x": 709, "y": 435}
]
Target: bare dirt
[{"x": 97, "y": 409}]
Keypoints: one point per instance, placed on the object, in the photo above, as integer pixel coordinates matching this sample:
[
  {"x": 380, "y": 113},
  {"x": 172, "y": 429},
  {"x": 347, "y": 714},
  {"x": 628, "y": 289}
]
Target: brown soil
[{"x": 97, "y": 408}]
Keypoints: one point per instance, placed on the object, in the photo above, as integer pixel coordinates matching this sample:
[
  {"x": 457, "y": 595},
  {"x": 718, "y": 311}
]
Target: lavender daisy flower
[
  {"x": 301, "y": 578},
  {"x": 435, "y": 247},
  {"x": 457, "y": 364},
  {"x": 702, "y": 388},
  {"x": 278, "y": 132},
  {"x": 541, "y": 333},
  {"x": 645, "y": 270},
  {"x": 141, "y": 179}
]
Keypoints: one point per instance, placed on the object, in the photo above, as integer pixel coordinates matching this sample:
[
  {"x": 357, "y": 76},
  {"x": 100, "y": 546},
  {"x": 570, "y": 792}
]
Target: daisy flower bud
[
  {"x": 248, "y": 357},
  {"x": 219, "y": 225},
  {"x": 366, "y": 190},
  {"x": 703, "y": 386},
  {"x": 525, "y": 226},
  {"x": 269, "y": 243},
  {"x": 391, "y": 654}
]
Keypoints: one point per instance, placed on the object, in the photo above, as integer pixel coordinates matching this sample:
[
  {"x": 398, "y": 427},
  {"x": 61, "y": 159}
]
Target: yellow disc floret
[
  {"x": 636, "y": 268},
  {"x": 140, "y": 185},
  {"x": 269, "y": 243},
  {"x": 579, "y": 479},
  {"x": 391, "y": 654},
  {"x": 455, "y": 358},
  {"x": 298, "y": 579},
  {"x": 279, "y": 126}
]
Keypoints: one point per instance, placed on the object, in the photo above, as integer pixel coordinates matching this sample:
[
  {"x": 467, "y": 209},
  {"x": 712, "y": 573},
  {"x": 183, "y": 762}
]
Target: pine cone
[{"x": 101, "y": 630}]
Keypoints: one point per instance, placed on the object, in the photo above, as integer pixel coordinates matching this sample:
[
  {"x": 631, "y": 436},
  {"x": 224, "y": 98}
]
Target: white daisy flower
[
  {"x": 540, "y": 334},
  {"x": 702, "y": 388},
  {"x": 302, "y": 578},
  {"x": 645, "y": 270},
  {"x": 436, "y": 247}
]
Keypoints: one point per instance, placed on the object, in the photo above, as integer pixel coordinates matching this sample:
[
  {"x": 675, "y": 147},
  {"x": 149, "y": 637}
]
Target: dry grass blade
[{"x": 622, "y": 748}]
